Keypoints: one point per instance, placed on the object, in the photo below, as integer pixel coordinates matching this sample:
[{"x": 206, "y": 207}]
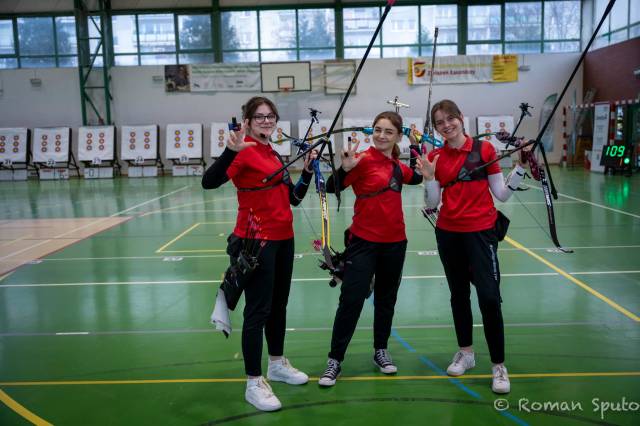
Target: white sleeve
[
  {"x": 502, "y": 188},
  {"x": 431, "y": 193}
]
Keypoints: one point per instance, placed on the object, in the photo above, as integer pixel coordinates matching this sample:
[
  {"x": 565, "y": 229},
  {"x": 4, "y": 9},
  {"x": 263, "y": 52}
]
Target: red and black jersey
[
  {"x": 467, "y": 206},
  {"x": 378, "y": 218}
]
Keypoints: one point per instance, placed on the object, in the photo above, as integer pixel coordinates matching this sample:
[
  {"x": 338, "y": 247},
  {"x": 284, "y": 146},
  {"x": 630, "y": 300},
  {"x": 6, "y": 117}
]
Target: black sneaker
[
  {"x": 382, "y": 360},
  {"x": 331, "y": 373}
]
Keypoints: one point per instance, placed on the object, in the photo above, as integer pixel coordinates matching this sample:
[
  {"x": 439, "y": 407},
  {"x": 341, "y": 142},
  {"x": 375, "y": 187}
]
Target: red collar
[
  {"x": 373, "y": 151},
  {"x": 466, "y": 146}
]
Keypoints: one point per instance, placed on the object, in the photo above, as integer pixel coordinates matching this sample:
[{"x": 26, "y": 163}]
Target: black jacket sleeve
[
  {"x": 331, "y": 185},
  {"x": 416, "y": 179},
  {"x": 299, "y": 190},
  {"x": 216, "y": 175}
]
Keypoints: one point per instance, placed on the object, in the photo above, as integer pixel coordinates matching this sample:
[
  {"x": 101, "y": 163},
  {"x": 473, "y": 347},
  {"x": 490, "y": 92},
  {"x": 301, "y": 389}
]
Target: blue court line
[{"x": 456, "y": 382}]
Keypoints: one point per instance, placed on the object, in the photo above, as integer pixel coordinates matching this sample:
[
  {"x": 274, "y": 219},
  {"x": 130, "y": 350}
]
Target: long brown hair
[
  {"x": 448, "y": 107},
  {"x": 396, "y": 121},
  {"x": 249, "y": 109}
]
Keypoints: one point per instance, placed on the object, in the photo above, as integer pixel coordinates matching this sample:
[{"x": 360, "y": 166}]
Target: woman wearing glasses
[{"x": 246, "y": 161}]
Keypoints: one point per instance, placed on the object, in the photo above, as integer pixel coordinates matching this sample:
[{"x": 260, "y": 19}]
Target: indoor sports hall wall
[{"x": 138, "y": 99}]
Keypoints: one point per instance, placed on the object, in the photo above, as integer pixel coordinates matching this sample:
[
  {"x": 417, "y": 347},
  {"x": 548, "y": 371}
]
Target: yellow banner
[{"x": 504, "y": 68}]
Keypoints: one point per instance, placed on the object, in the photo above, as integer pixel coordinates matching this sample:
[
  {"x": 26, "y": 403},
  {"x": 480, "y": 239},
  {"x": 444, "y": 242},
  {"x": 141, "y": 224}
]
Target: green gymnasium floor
[{"x": 114, "y": 329}]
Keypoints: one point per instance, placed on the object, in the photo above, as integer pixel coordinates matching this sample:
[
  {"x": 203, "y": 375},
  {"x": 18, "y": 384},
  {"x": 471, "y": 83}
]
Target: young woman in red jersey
[
  {"x": 466, "y": 233},
  {"x": 376, "y": 243},
  {"x": 246, "y": 161}
]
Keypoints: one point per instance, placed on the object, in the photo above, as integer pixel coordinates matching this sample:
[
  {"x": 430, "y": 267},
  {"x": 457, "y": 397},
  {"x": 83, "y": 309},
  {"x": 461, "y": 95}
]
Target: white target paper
[
  {"x": 13, "y": 145},
  {"x": 96, "y": 143},
  {"x": 139, "y": 142},
  {"x": 495, "y": 123},
  {"x": 279, "y": 145},
  {"x": 366, "y": 141},
  {"x": 184, "y": 141},
  {"x": 316, "y": 129},
  {"x": 219, "y": 135},
  {"x": 51, "y": 144}
]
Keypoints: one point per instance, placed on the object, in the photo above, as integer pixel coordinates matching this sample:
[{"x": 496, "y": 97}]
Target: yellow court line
[
  {"x": 21, "y": 410},
  {"x": 353, "y": 379},
  {"x": 195, "y": 225},
  {"x": 574, "y": 280}
]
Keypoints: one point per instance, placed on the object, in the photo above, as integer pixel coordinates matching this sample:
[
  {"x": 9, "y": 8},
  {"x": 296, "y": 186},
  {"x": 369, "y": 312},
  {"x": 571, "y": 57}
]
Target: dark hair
[
  {"x": 249, "y": 109},
  {"x": 396, "y": 121},
  {"x": 447, "y": 106}
]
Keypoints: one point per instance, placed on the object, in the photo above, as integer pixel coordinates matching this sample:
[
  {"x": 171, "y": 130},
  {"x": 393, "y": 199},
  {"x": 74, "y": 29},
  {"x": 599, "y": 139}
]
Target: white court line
[
  {"x": 95, "y": 222},
  {"x": 77, "y": 259},
  {"x": 306, "y": 329},
  {"x": 404, "y": 277},
  {"x": 589, "y": 202},
  {"x": 150, "y": 201},
  {"x": 418, "y": 206}
]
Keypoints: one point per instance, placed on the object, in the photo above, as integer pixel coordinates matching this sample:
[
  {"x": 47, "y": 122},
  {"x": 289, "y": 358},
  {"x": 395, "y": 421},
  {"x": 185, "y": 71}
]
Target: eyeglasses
[{"x": 261, "y": 118}]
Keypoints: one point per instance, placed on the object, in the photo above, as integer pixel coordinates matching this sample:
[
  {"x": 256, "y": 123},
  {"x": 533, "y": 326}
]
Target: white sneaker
[
  {"x": 500, "y": 383},
  {"x": 282, "y": 371},
  {"x": 260, "y": 395},
  {"x": 462, "y": 361}
]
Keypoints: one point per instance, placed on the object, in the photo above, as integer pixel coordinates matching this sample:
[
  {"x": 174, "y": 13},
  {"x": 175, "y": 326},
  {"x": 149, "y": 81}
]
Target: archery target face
[
  {"x": 184, "y": 141},
  {"x": 219, "y": 136},
  {"x": 96, "y": 142},
  {"x": 366, "y": 141},
  {"x": 316, "y": 129},
  {"x": 495, "y": 123},
  {"x": 415, "y": 123},
  {"x": 139, "y": 142},
  {"x": 279, "y": 145},
  {"x": 13, "y": 145},
  {"x": 51, "y": 144}
]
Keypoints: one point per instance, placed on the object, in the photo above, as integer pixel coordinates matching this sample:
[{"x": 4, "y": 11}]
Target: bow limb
[{"x": 349, "y": 90}]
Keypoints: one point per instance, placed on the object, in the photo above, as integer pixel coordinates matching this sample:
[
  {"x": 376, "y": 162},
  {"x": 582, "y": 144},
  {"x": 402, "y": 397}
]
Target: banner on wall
[
  {"x": 225, "y": 77},
  {"x": 601, "y": 114},
  {"x": 464, "y": 69},
  {"x": 545, "y": 112}
]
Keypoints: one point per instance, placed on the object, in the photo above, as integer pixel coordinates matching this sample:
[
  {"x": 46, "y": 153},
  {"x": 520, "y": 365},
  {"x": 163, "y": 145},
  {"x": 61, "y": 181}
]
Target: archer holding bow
[
  {"x": 375, "y": 242},
  {"x": 468, "y": 228},
  {"x": 247, "y": 158}
]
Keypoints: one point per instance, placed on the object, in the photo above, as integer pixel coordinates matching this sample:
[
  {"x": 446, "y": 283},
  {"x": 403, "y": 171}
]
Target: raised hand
[
  {"x": 236, "y": 142},
  {"x": 349, "y": 157},
  {"x": 427, "y": 168},
  {"x": 308, "y": 159}
]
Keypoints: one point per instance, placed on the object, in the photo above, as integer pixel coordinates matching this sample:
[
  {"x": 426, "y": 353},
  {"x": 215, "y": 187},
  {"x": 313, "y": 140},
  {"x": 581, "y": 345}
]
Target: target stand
[
  {"x": 184, "y": 149},
  {"x": 96, "y": 152},
  {"x": 139, "y": 148},
  {"x": 14, "y": 153},
  {"x": 51, "y": 153}
]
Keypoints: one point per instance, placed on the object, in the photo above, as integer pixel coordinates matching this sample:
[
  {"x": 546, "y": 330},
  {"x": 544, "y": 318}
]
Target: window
[
  {"x": 285, "y": 35},
  {"x": 483, "y": 30},
  {"x": 562, "y": 23},
  {"x": 445, "y": 17},
  {"x": 45, "y": 41},
  {"x": 622, "y": 23},
  {"x": 359, "y": 25},
  {"x": 523, "y": 27}
]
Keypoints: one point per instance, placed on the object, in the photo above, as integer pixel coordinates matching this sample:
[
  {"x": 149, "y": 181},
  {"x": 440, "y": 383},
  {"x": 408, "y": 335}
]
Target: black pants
[
  {"x": 266, "y": 296},
  {"x": 363, "y": 260},
  {"x": 471, "y": 257}
]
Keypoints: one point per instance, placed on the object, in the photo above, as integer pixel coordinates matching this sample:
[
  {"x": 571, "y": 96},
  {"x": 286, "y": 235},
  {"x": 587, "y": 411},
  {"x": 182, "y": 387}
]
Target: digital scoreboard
[{"x": 617, "y": 156}]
